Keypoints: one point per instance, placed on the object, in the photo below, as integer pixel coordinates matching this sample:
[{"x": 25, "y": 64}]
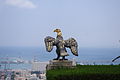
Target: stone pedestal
[{"x": 56, "y": 64}]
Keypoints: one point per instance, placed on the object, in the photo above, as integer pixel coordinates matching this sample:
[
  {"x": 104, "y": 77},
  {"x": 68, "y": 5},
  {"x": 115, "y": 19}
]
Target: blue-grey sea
[{"x": 86, "y": 56}]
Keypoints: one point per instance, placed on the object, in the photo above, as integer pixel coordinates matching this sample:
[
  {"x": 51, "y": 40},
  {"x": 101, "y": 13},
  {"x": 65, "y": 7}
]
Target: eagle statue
[{"x": 61, "y": 45}]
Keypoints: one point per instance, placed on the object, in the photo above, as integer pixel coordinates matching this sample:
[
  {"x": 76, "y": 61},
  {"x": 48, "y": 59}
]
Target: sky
[{"x": 93, "y": 23}]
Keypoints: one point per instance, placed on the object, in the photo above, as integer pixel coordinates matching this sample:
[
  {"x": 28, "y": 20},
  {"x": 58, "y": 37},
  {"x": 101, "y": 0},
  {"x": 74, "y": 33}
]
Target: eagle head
[{"x": 58, "y": 31}]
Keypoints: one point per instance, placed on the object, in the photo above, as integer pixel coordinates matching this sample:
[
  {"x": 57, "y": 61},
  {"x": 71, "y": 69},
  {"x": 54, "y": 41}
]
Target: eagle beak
[{"x": 54, "y": 31}]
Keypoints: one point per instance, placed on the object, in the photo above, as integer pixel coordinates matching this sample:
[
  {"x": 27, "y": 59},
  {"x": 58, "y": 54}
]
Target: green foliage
[{"x": 86, "y": 72}]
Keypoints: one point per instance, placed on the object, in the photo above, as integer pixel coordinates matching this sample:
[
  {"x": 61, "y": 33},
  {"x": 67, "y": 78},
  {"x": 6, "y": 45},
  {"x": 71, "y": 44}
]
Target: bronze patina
[{"x": 61, "y": 45}]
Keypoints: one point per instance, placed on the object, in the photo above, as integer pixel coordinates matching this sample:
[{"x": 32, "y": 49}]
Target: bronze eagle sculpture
[{"x": 61, "y": 45}]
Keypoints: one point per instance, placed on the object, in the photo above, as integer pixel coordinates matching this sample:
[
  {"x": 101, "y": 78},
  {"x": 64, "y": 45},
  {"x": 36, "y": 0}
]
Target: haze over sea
[{"x": 86, "y": 55}]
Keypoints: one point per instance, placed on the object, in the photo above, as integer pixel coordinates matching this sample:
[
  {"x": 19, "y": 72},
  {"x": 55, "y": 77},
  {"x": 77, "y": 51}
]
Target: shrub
[{"x": 86, "y": 72}]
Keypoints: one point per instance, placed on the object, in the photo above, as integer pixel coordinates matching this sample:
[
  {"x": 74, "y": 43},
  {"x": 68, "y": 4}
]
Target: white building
[{"x": 39, "y": 66}]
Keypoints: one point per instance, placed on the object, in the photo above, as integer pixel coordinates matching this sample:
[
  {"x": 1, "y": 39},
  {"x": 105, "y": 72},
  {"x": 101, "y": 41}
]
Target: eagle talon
[
  {"x": 56, "y": 59},
  {"x": 63, "y": 58}
]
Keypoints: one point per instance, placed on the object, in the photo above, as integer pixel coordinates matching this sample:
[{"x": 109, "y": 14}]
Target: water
[{"x": 86, "y": 55}]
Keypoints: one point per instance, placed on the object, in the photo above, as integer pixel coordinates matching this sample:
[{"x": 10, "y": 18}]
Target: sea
[{"x": 86, "y": 56}]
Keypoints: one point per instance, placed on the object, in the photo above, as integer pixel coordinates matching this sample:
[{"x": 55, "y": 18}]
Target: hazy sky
[{"x": 93, "y": 23}]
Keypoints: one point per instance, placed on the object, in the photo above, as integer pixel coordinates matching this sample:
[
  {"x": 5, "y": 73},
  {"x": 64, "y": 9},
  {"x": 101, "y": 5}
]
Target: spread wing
[
  {"x": 72, "y": 44},
  {"x": 49, "y": 42}
]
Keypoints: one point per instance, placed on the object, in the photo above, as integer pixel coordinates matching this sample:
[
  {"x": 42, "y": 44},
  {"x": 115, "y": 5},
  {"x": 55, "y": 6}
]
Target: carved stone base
[{"x": 56, "y": 64}]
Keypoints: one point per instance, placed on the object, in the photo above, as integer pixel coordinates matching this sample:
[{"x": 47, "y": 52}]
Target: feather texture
[
  {"x": 72, "y": 44},
  {"x": 49, "y": 42}
]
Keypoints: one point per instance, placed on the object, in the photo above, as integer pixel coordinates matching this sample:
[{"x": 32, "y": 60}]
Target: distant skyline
[{"x": 93, "y": 23}]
